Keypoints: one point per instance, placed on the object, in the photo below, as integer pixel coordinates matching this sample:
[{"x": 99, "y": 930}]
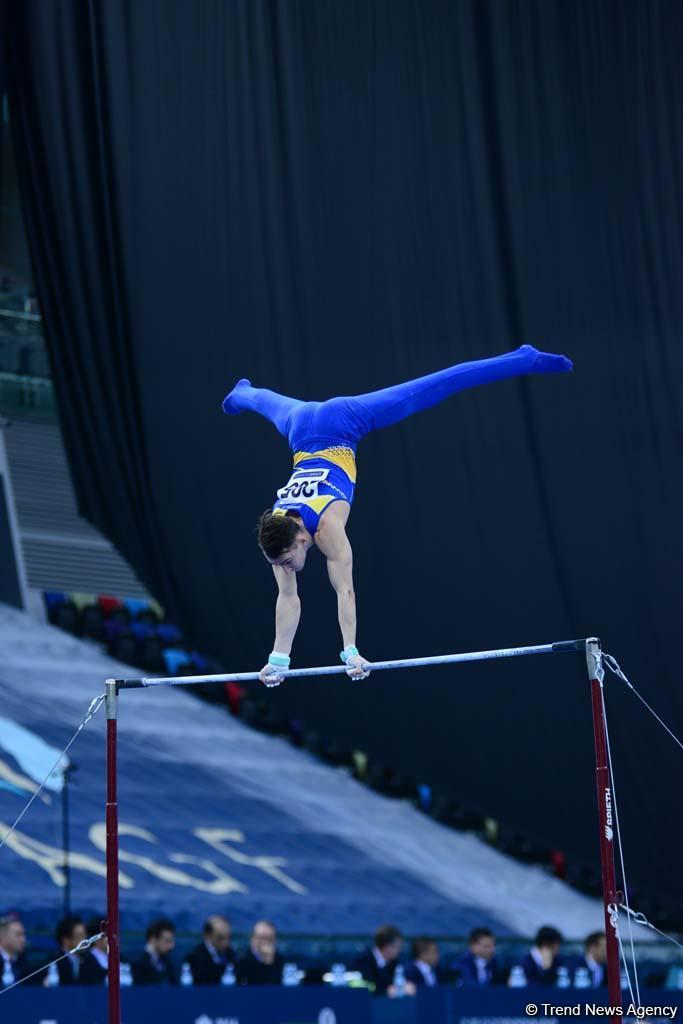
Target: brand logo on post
[{"x": 609, "y": 834}]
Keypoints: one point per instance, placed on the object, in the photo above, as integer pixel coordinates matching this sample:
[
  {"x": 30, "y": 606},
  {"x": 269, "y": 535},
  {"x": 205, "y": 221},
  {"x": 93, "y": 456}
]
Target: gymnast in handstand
[{"x": 314, "y": 505}]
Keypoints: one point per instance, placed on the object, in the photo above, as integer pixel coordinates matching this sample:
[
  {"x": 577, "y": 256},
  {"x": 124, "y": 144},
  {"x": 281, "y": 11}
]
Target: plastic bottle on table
[
  {"x": 52, "y": 977},
  {"x": 338, "y": 975},
  {"x": 563, "y": 979},
  {"x": 228, "y": 976},
  {"x": 517, "y": 977},
  {"x": 582, "y": 978},
  {"x": 399, "y": 981},
  {"x": 290, "y": 974}
]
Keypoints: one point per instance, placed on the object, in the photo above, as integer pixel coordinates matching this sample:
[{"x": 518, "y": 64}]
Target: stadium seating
[{"x": 133, "y": 630}]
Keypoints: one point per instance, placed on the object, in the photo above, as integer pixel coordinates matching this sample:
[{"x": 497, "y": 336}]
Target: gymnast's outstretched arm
[
  {"x": 335, "y": 545},
  {"x": 287, "y": 615}
]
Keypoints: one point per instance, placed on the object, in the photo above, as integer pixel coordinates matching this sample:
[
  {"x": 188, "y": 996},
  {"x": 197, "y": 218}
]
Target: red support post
[
  {"x": 112, "y": 856},
  {"x": 596, "y": 674}
]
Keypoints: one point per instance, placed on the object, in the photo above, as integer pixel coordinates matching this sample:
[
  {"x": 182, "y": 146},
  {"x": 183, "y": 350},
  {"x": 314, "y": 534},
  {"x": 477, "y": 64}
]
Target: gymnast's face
[{"x": 293, "y": 558}]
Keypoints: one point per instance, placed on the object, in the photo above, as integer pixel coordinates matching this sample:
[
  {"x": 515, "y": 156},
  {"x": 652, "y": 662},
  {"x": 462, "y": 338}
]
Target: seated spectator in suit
[
  {"x": 378, "y": 963},
  {"x": 423, "y": 970},
  {"x": 209, "y": 959},
  {"x": 70, "y": 931},
  {"x": 13, "y": 963},
  {"x": 155, "y": 966},
  {"x": 95, "y": 961},
  {"x": 262, "y": 964},
  {"x": 478, "y": 966},
  {"x": 541, "y": 963},
  {"x": 594, "y": 959}
]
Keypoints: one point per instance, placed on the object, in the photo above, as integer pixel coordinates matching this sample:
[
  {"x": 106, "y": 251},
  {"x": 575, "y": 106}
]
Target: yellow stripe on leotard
[
  {"x": 338, "y": 455},
  {"x": 318, "y": 504}
]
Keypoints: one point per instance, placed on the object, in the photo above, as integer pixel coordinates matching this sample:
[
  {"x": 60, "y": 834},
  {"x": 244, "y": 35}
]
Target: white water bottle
[
  {"x": 7, "y": 973},
  {"x": 399, "y": 981},
  {"x": 582, "y": 978},
  {"x": 517, "y": 977},
  {"x": 52, "y": 978},
  {"x": 125, "y": 975},
  {"x": 563, "y": 979},
  {"x": 186, "y": 975},
  {"x": 228, "y": 976},
  {"x": 338, "y": 975},
  {"x": 290, "y": 974}
]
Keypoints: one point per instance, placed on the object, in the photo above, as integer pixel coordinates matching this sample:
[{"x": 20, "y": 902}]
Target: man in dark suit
[
  {"x": 423, "y": 970},
  {"x": 377, "y": 964},
  {"x": 13, "y": 963},
  {"x": 593, "y": 960},
  {"x": 70, "y": 931},
  {"x": 262, "y": 964},
  {"x": 95, "y": 961},
  {"x": 478, "y": 966},
  {"x": 541, "y": 962},
  {"x": 211, "y": 956},
  {"x": 155, "y": 966}
]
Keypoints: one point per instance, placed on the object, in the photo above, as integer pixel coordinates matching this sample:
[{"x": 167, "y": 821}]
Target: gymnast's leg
[
  {"x": 276, "y": 408},
  {"x": 362, "y": 413}
]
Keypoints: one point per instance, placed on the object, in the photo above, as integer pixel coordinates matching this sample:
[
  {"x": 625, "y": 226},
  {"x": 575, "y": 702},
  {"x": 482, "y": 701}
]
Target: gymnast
[{"x": 314, "y": 505}]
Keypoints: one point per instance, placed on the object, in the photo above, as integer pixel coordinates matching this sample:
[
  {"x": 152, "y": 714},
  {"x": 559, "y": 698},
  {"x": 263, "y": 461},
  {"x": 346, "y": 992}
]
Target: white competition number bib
[{"x": 303, "y": 483}]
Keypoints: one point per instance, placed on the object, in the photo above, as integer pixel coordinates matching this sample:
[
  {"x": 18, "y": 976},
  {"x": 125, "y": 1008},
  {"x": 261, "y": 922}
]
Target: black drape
[{"x": 329, "y": 197}]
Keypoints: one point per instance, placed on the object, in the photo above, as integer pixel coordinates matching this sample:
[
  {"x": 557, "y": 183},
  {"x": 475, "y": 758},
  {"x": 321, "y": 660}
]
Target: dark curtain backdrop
[{"x": 329, "y": 197}]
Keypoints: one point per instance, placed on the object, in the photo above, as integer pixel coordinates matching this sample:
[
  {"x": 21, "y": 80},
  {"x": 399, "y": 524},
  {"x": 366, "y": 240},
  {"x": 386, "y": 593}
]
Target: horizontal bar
[{"x": 563, "y": 647}]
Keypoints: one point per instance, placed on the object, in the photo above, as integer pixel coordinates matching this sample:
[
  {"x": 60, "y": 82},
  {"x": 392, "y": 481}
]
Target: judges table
[
  {"x": 157, "y": 1005},
  {"x": 324, "y": 1006}
]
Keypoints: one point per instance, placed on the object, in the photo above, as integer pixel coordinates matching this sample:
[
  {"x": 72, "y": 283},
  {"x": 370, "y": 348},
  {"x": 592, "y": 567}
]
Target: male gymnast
[{"x": 314, "y": 505}]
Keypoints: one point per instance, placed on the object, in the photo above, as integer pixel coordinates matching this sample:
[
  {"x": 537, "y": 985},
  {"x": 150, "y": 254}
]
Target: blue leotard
[
  {"x": 323, "y": 435},
  {"x": 318, "y": 479}
]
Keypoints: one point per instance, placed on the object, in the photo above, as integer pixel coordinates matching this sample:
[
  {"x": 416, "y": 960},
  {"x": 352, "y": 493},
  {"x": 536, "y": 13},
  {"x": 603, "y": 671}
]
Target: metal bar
[
  {"x": 562, "y": 647},
  {"x": 112, "y": 857},
  {"x": 596, "y": 675}
]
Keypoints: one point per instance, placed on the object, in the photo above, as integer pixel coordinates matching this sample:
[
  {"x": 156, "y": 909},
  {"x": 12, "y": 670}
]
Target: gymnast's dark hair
[{"x": 275, "y": 533}]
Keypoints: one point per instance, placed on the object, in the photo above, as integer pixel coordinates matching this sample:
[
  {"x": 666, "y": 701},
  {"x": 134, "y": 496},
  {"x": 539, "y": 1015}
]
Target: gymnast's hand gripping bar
[{"x": 563, "y": 647}]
